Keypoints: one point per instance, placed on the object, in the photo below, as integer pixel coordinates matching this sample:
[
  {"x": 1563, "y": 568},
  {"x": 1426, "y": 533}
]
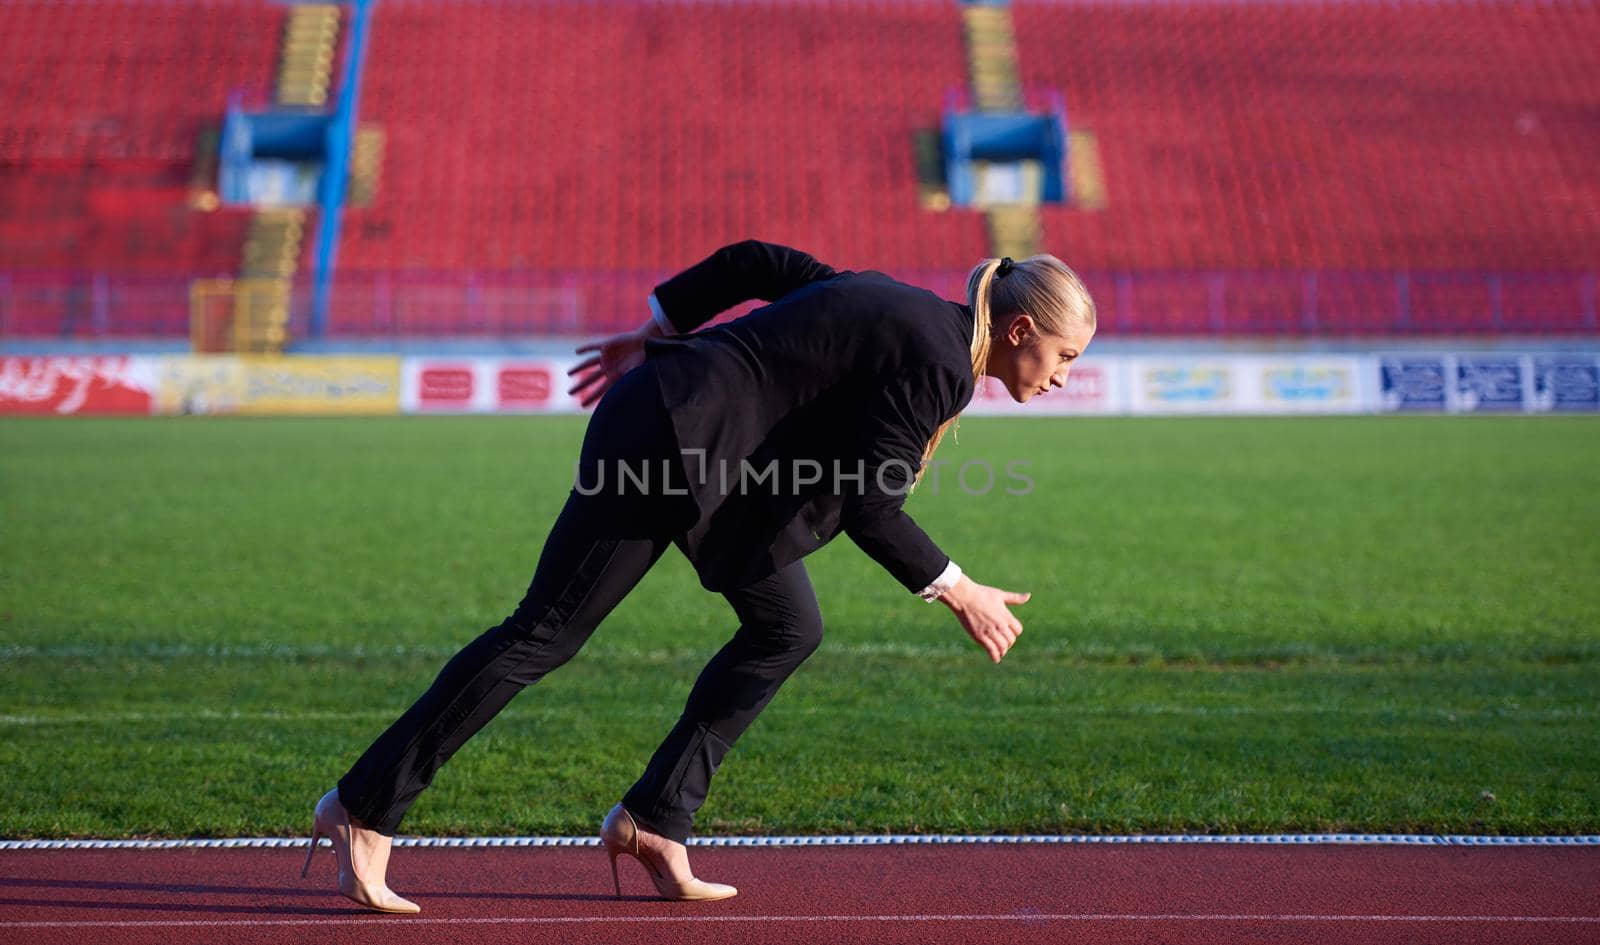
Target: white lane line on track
[
  {"x": 848, "y": 840},
  {"x": 377, "y": 921}
]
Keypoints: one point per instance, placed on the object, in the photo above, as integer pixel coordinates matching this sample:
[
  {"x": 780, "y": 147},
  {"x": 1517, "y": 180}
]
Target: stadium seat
[{"x": 1269, "y": 168}]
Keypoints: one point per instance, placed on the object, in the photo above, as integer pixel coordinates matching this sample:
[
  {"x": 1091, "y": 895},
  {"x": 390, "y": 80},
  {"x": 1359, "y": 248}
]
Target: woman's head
[{"x": 1032, "y": 319}]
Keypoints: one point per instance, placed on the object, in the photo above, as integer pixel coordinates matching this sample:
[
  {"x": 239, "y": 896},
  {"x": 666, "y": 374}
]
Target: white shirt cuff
[
  {"x": 946, "y": 580},
  {"x": 660, "y": 317}
]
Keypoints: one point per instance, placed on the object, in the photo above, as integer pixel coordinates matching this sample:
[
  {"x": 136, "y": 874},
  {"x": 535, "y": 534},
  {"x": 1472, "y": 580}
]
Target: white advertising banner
[
  {"x": 1323, "y": 384},
  {"x": 1272, "y": 384},
  {"x": 1112, "y": 384},
  {"x": 1093, "y": 387},
  {"x": 486, "y": 385},
  {"x": 539, "y": 385},
  {"x": 1199, "y": 384}
]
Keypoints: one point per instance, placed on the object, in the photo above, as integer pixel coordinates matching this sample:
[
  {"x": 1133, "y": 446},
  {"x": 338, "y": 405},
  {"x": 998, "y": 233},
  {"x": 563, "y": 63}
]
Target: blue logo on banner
[
  {"x": 1201, "y": 385},
  {"x": 1413, "y": 383},
  {"x": 1489, "y": 383},
  {"x": 1307, "y": 384},
  {"x": 1566, "y": 384}
]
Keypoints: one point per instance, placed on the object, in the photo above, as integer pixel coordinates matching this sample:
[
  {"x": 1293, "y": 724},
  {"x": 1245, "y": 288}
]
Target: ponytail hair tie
[{"x": 1006, "y": 265}]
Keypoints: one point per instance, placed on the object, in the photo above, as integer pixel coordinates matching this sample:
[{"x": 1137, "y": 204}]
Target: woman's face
[{"x": 1029, "y": 363}]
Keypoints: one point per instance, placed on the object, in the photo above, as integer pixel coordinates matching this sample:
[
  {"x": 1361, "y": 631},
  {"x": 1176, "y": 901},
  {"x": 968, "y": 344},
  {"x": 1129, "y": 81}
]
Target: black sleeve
[
  {"x": 897, "y": 425},
  {"x": 733, "y": 274}
]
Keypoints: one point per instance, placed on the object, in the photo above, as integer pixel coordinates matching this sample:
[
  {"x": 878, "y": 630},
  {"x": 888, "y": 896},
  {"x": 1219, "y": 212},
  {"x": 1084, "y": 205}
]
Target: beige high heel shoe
[
  {"x": 621, "y": 835},
  {"x": 331, "y": 820}
]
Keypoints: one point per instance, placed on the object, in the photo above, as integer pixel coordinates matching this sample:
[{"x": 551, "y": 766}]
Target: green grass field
[{"x": 1237, "y": 625}]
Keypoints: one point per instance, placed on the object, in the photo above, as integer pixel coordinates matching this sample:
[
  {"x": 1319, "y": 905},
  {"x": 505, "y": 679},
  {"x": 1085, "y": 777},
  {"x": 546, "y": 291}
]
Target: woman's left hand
[{"x": 616, "y": 356}]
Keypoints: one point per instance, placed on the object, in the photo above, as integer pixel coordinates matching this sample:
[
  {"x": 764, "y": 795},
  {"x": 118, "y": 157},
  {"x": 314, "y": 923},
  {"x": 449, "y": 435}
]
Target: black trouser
[{"x": 600, "y": 547}]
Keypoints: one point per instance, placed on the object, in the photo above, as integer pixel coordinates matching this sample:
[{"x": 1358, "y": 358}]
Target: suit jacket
[{"x": 844, "y": 372}]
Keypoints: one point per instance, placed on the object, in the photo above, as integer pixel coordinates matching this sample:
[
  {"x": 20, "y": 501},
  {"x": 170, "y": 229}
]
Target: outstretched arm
[
  {"x": 733, "y": 274},
  {"x": 897, "y": 428},
  {"x": 612, "y": 358}
]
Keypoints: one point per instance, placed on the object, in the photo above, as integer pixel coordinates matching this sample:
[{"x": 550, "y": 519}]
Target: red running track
[{"x": 1176, "y": 894}]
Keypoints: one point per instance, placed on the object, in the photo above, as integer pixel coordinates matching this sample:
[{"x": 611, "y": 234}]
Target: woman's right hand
[
  {"x": 983, "y": 611},
  {"x": 615, "y": 357}
]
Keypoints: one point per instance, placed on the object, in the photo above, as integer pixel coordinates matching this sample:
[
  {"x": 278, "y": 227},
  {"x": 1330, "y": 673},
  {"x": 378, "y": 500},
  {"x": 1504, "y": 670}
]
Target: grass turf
[{"x": 1374, "y": 623}]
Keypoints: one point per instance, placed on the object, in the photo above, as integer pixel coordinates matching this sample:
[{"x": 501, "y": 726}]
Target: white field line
[
  {"x": 292, "y": 651},
  {"x": 192, "y": 715},
  {"x": 601, "y": 649},
  {"x": 1030, "y": 918},
  {"x": 1356, "y": 839},
  {"x": 1053, "y": 711}
]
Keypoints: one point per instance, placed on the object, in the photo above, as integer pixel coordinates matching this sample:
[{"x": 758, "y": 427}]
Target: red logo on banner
[
  {"x": 1085, "y": 385},
  {"x": 524, "y": 386},
  {"x": 451, "y": 386},
  {"x": 1088, "y": 388},
  {"x": 72, "y": 385}
]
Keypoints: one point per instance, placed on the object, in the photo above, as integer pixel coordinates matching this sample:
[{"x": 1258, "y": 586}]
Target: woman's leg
[
  {"x": 599, "y": 548},
  {"x": 582, "y": 575},
  {"x": 780, "y": 625}
]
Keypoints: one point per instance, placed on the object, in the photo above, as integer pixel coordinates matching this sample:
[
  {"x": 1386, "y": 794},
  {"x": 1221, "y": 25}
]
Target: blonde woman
[{"x": 748, "y": 445}]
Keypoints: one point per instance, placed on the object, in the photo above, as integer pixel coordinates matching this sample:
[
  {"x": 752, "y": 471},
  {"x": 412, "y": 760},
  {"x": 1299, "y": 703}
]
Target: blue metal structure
[
  {"x": 1006, "y": 137},
  {"x": 256, "y": 145},
  {"x": 270, "y": 151},
  {"x": 336, "y": 174}
]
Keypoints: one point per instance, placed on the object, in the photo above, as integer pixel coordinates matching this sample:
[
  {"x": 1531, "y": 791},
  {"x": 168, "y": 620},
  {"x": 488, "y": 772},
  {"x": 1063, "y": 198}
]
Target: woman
[{"x": 762, "y": 438}]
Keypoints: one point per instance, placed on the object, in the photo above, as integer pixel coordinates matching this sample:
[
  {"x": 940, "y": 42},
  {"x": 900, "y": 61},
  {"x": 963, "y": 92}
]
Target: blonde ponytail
[
  {"x": 1043, "y": 287},
  {"x": 978, "y": 283}
]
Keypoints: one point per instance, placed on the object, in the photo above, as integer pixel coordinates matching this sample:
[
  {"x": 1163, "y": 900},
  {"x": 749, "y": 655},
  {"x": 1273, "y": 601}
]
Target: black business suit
[{"x": 853, "y": 369}]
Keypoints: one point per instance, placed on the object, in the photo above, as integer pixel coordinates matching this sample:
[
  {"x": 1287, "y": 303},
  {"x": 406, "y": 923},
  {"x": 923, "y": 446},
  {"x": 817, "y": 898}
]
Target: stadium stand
[
  {"x": 106, "y": 103},
  {"x": 1329, "y": 135},
  {"x": 1345, "y": 167},
  {"x": 575, "y": 135}
]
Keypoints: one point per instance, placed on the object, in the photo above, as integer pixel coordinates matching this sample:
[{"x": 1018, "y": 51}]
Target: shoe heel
[
  {"x": 615, "y": 880},
  {"x": 310, "y": 852}
]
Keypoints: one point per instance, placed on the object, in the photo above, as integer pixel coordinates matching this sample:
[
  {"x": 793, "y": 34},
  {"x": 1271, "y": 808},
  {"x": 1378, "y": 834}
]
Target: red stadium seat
[{"x": 1270, "y": 168}]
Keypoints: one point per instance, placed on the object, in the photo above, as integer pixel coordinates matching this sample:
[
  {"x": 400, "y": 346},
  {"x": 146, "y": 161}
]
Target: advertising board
[
  {"x": 277, "y": 385},
  {"x": 58, "y": 386},
  {"x": 486, "y": 385}
]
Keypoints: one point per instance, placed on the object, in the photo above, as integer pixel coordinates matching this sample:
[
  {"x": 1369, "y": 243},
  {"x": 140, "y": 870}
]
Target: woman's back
[
  {"x": 851, "y": 371},
  {"x": 833, "y": 341}
]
